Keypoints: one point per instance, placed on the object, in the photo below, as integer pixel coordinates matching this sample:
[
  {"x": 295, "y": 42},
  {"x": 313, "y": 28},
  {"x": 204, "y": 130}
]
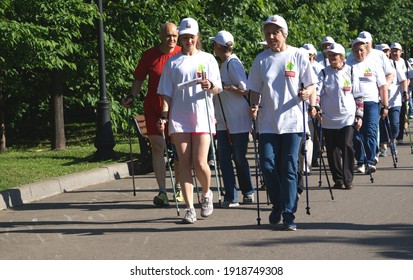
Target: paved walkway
[{"x": 105, "y": 221}]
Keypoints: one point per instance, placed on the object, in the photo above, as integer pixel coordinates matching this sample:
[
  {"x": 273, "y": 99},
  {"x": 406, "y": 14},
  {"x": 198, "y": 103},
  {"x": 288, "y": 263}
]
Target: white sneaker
[
  {"x": 372, "y": 169},
  {"x": 248, "y": 199},
  {"x": 361, "y": 169},
  {"x": 227, "y": 204},
  {"x": 190, "y": 216},
  {"x": 207, "y": 206}
]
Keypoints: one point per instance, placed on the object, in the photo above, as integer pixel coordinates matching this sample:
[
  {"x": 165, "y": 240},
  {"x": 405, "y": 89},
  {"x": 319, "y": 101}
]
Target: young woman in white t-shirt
[{"x": 184, "y": 82}]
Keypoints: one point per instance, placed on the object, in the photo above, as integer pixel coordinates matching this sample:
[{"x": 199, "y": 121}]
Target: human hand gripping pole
[{"x": 212, "y": 143}]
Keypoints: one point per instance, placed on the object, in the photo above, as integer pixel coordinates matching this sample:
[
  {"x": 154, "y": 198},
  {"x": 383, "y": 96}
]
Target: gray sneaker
[
  {"x": 248, "y": 199},
  {"x": 190, "y": 216},
  {"x": 207, "y": 206},
  {"x": 228, "y": 204}
]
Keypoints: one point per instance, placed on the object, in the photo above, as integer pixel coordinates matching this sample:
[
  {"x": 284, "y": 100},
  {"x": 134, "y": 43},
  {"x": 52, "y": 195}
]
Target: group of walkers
[{"x": 289, "y": 96}]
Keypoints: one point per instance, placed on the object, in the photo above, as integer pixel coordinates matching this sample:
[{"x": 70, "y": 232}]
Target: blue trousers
[{"x": 279, "y": 163}]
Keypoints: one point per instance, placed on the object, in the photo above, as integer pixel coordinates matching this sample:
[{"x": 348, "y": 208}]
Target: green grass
[{"x": 25, "y": 165}]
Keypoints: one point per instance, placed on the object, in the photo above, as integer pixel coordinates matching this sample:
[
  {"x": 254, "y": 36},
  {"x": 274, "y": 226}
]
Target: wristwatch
[{"x": 212, "y": 85}]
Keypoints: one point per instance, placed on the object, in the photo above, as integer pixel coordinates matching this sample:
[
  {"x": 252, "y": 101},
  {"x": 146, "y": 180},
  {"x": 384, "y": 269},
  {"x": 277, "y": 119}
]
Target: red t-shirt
[{"x": 152, "y": 63}]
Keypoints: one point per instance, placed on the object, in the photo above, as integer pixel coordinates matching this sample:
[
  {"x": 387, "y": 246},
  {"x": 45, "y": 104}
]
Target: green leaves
[{"x": 38, "y": 36}]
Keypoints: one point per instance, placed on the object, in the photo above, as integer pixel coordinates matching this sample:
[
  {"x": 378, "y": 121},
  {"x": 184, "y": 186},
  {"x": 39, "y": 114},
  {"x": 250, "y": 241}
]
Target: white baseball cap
[
  {"x": 382, "y": 47},
  {"x": 327, "y": 40},
  {"x": 277, "y": 20},
  {"x": 223, "y": 37},
  {"x": 366, "y": 35},
  {"x": 188, "y": 26},
  {"x": 359, "y": 40},
  {"x": 410, "y": 60},
  {"x": 336, "y": 48},
  {"x": 396, "y": 46},
  {"x": 310, "y": 48}
]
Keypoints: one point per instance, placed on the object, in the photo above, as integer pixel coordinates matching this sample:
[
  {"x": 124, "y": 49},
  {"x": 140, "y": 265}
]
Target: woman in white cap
[
  {"x": 185, "y": 79},
  {"x": 384, "y": 48},
  {"x": 311, "y": 144},
  {"x": 280, "y": 79},
  {"x": 395, "y": 95},
  {"x": 325, "y": 44},
  {"x": 372, "y": 84},
  {"x": 233, "y": 122},
  {"x": 341, "y": 110},
  {"x": 400, "y": 95}
]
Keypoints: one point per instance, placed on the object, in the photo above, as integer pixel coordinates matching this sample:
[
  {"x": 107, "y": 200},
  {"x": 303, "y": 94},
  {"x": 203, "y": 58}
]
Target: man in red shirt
[{"x": 151, "y": 64}]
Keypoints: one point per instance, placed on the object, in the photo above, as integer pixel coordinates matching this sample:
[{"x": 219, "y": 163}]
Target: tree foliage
[{"x": 39, "y": 36}]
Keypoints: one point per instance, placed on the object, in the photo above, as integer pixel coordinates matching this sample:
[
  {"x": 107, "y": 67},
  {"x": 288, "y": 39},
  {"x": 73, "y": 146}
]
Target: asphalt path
[{"x": 373, "y": 221}]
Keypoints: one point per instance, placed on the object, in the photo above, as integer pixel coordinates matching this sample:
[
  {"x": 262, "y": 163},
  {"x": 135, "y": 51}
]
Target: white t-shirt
[
  {"x": 234, "y": 105},
  {"x": 188, "y": 111},
  {"x": 278, "y": 76},
  {"x": 377, "y": 57},
  {"x": 368, "y": 77},
  {"x": 336, "y": 98},
  {"x": 395, "y": 89}
]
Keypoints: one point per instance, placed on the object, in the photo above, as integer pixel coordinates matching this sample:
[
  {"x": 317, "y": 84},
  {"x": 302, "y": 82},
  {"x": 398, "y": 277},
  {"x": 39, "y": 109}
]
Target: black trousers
[
  {"x": 340, "y": 154},
  {"x": 402, "y": 121}
]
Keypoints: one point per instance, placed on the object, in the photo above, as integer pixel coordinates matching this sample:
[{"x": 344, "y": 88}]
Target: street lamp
[{"x": 104, "y": 141}]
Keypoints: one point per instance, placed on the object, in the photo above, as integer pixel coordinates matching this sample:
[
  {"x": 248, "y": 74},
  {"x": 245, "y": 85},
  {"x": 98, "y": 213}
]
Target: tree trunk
[
  {"x": 59, "y": 141},
  {"x": 3, "y": 146}
]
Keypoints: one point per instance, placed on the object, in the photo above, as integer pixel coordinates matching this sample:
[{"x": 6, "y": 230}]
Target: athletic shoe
[
  {"x": 383, "y": 152},
  {"x": 228, "y": 204},
  {"x": 179, "y": 195},
  {"x": 207, "y": 207},
  {"x": 372, "y": 169},
  {"x": 338, "y": 185},
  {"x": 290, "y": 227},
  {"x": 361, "y": 169},
  {"x": 161, "y": 200},
  {"x": 248, "y": 199},
  {"x": 275, "y": 216},
  {"x": 190, "y": 216},
  {"x": 211, "y": 164}
]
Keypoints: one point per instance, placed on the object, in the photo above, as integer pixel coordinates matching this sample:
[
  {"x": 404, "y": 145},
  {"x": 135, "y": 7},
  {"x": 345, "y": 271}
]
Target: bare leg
[
  {"x": 158, "y": 160},
  {"x": 200, "y": 147},
  {"x": 183, "y": 146}
]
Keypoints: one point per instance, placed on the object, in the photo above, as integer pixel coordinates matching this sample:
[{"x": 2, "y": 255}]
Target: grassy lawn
[{"x": 24, "y": 165}]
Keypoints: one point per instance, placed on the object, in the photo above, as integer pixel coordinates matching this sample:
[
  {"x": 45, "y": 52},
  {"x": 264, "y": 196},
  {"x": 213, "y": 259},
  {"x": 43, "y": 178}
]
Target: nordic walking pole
[
  {"x": 131, "y": 155},
  {"x": 196, "y": 185},
  {"x": 320, "y": 153},
  {"x": 305, "y": 153},
  {"x": 408, "y": 126},
  {"x": 391, "y": 144},
  {"x": 212, "y": 143},
  {"x": 365, "y": 156},
  {"x": 256, "y": 169},
  {"x": 323, "y": 165},
  {"x": 170, "y": 171}
]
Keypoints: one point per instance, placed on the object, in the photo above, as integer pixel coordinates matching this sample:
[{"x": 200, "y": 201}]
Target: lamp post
[{"x": 104, "y": 141}]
